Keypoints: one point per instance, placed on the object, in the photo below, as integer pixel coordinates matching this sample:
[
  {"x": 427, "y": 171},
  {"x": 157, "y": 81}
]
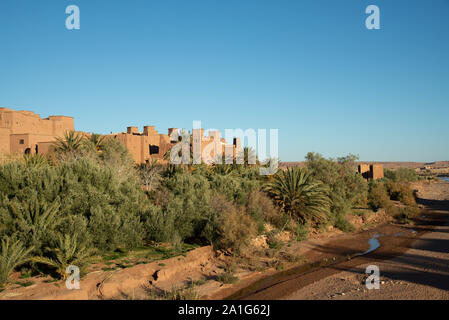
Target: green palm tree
[
  {"x": 97, "y": 141},
  {"x": 300, "y": 196},
  {"x": 223, "y": 169},
  {"x": 70, "y": 143},
  {"x": 34, "y": 160},
  {"x": 12, "y": 255},
  {"x": 68, "y": 252},
  {"x": 36, "y": 218}
]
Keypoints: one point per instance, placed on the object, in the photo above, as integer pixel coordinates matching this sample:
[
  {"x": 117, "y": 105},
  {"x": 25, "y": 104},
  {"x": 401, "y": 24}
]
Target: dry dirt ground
[{"x": 413, "y": 261}]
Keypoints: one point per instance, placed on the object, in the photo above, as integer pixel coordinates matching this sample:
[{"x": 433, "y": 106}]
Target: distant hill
[{"x": 386, "y": 164}]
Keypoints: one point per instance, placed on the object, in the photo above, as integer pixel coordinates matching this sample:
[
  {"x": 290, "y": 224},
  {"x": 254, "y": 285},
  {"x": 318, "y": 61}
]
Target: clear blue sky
[{"x": 307, "y": 67}]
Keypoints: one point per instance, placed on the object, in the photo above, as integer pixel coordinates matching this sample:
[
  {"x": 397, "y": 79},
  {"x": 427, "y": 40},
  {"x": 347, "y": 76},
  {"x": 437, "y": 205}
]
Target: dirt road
[{"x": 413, "y": 262}]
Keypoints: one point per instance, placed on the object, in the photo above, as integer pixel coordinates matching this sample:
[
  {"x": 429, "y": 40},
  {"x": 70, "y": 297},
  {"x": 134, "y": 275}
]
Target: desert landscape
[
  {"x": 275, "y": 250},
  {"x": 223, "y": 159}
]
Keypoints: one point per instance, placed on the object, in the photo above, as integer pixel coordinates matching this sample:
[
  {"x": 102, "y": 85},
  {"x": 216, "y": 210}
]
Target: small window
[
  {"x": 154, "y": 149},
  {"x": 21, "y": 141}
]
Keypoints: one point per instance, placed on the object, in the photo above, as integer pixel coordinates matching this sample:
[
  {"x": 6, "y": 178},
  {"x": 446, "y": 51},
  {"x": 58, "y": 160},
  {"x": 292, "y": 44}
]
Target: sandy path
[
  {"x": 413, "y": 265},
  {"x": 421, "y": 273}
]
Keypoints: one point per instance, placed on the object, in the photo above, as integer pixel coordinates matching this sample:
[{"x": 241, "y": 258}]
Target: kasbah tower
[{"x": 24, "y": 132}]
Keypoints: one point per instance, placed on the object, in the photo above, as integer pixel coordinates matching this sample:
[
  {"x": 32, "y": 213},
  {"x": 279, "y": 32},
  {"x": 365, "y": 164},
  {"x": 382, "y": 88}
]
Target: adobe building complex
[
  {"x": 149, "y": 145},
  {"x": 373, "y": 171},
  {"x": 23, "y": 132}
]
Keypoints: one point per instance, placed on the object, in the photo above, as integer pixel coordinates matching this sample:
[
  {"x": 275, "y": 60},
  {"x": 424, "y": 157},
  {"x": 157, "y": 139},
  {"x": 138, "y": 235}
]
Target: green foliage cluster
[
  {"x": 378, "y": 196},
  {"x": 401, "y": 191},
  {"x": 202, "y": 207},
  {"x": 347, "y": 189},
  {"x": 88, "y": 199},
  {"x": 301, "y": 196},
  {"x": 61, "y": 208},
  {"x": 383, "y": 193},
  {"x": 401, "y": 174}
]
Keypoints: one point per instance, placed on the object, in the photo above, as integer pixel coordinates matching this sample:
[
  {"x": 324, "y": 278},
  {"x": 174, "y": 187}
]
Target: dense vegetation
[{"x": 87, "y": 199}]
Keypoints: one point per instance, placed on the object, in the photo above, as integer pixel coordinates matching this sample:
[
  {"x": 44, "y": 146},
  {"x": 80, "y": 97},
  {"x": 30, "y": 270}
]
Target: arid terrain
[
  {"x": 386, "y": 164},
  {"x": 413, "y": 261}
]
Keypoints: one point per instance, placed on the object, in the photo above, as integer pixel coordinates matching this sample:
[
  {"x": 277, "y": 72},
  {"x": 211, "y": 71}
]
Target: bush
[
  {"x": 92, "y": 196},
  {"x": 378, "y": 196},
  {"x": 302, "y": 232},
  {"x": 401, "y": 191},
  {"x": 300, "y": 195},
  {"x": 262, "y": 210},
  {"x": 68, "y": 250},
  {"x": 12, "y": 255},
  {"x": 404, "y": 214},
  {"x": 227, "y": 278},
  {"x": 344, "y": 225},
  {"x": 230, "y": 228},
  {"x": 347, "y": 188},
  {"x": 234, "y": 187},
  {"x": 401, "y": 174}
]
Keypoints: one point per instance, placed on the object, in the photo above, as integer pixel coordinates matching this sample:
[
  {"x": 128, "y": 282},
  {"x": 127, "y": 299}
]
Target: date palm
[
  {"x": 12, "y": 254},
  {"x": 35, "y": 218},
  {"x": 68, "y": 251},
  {"x": 300, "y": 196},
  {"x": 34, "y": 160},
  {"x": 97, "y": 141},
  {"x": 70, "y": 143}
]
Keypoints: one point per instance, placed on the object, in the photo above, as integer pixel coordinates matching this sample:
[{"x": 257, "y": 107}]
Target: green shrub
[
  {"x": 401, "y": 174},
  {"x": 229, "y": 227},
  {"x": 273, "y": 242},
  {"x": 344, "y": 225},
  {"x": 227, "y": 278},
  {"x": 404, "y": 214},
  {"x": 68, "y": 250},
  {"x": 300, "y": 195},
  {"x": 401, "y": 191},
  {"x": 12, "y": 255},
  {"x": 92, "y": 196},
  {"x": 302, "y": 232},
  {"x": 235, "y": 188},
  {"x": 347, "y": 189},
  {"x": 378, "y": 196},
  {"x": 262, "y": 209},
  {"x": 176, "y": 293}
]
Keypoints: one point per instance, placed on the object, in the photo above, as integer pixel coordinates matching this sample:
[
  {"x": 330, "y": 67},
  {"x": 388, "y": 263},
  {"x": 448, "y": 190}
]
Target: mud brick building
[
  {"x": 145, "y": 146},
  {"x": 371, "y": 171},
  {"x": 25, "y": 132}
]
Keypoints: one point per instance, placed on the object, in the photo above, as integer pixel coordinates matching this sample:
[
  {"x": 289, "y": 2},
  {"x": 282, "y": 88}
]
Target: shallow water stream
[{"x": 373, "y": 245}]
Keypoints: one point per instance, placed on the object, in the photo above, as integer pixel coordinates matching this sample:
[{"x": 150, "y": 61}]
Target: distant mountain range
[{"x": 386, "y": 164}]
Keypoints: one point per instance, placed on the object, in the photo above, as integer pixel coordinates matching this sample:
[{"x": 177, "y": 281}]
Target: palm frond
[
  {"x": 300, "y": 195},
  {"x": 12, "y": 255}
]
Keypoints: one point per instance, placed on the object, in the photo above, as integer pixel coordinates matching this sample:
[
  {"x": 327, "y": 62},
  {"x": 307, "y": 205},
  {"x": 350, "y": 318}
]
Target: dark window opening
[
  {"x": 21, "y": 141},
  {"x": 154, "y": 149},
  {"x": 37, "y": 149},
  {"x": 27, "y": 151}
]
